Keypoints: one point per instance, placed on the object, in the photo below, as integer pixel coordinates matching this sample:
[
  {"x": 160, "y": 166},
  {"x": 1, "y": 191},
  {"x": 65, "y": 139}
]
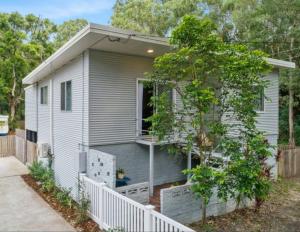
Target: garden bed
[
  {"x": 68, "y": 213},
  {"x": 280, "y": 213}
]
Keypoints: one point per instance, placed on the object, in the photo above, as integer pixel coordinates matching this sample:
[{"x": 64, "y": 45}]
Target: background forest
[{"x": 270, "y": 25}]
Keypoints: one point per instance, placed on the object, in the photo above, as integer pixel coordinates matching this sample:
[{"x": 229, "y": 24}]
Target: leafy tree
[
  {"x": 215, "y": 81},
  {"x": 24, "y": 42},
  {"x": 67, "y": 30},
  {"x": 273, "y": 26},
  {"x": 155, "y": 17}
]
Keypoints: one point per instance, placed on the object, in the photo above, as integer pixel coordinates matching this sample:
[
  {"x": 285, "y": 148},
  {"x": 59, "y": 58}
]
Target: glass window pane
[
  {"x": 260, "y": 100},
  {"x": 45, "y": 98},
  {"x": 62, "y": 96},
  {"x": 69, "y": 96},
  {"x": 42, "y": 95}
]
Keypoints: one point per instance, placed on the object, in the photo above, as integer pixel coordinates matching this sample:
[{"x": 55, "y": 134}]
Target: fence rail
[{"x": 111, "y": 210}]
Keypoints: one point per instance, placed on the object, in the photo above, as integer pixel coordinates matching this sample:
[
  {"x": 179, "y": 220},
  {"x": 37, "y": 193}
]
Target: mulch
[{"x": 69, "y": 214}]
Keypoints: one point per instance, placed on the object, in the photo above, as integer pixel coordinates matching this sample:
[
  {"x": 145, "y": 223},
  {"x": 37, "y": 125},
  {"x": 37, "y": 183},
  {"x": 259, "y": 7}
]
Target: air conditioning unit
[{"x": 43, "y": 150}]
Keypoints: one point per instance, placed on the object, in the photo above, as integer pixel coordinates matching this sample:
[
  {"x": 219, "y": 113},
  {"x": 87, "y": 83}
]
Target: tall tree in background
[
  {"x": 273, "y": 26},
  {"x": 155, "y": 17},
  {"x": 67, "y": 30},
  {"x": 24, "y": 42}
]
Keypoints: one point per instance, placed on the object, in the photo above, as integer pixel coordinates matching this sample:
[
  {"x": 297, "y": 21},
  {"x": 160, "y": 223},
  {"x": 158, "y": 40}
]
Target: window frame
[
  {"x": 44, "y": 95},
  {"x": 262, "y": 100},
  {"x": 64, "y": 98},
  {"x": 138, "y": 104}
]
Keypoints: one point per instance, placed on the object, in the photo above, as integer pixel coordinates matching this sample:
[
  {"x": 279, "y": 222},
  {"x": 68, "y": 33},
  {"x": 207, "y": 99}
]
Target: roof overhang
[
  {"x": 107, "y": 38},
  {"x": 99, "y": 37}
]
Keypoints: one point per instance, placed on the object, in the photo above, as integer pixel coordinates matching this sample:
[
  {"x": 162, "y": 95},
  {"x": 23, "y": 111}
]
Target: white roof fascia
[
  {"x": 114, "y": 32},
  {"x": 281, "y": 63}
]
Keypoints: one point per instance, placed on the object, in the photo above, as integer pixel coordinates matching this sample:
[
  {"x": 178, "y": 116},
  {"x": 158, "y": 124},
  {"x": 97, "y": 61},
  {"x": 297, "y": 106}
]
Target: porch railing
[{"x": 112, "y": 210}]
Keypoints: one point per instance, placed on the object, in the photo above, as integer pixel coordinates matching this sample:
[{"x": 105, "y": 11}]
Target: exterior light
[{"x": 150, "y": 51}]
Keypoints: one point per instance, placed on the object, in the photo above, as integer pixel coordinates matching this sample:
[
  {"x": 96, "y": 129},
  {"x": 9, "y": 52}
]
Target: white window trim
[
  {"x": 138, "y": 120},
  {"x": 264, "y": 108},
  {"x": 65, "y": 110},
  {"x": 43, "y": 87}
]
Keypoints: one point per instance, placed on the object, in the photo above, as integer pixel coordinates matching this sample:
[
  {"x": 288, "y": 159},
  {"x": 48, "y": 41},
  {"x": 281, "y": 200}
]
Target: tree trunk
[
  {"x": 13, "y": 102},
  {"x": 203, "y": 212},
  {"x": 12, "y": 113},
  {"x": 291, "y": 101},
  {"x": 291, "y": 116}
]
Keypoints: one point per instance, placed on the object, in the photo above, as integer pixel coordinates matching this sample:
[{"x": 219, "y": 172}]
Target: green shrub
[
  {"x": 83, "y": 204},
  {"x": 48, "y": 185},
  {"x": 46, "y": 177},
  {"x": 37, "y": 170},
  {"x": 63, "y": 195}
]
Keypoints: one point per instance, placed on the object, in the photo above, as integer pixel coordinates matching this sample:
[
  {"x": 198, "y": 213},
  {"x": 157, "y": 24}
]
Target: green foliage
[
  {"x": 64, "y": 197},
  {"x": 43, "y": 175},
  {"x": 37, "y": 170},
  {"x": 119, "y": 229},
  {"x": 83, "y": 204},
  {"x": 25, "y": 42},
  {"x": 274, "y": 26},
  {"x": 215, "y": 82},
  {"x": 67, "y": 30},
  {"x": 203, "y": 179},
  {"x": 151, "y": 16}
]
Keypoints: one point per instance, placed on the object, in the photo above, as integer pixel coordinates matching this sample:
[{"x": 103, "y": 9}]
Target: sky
[{"x": 96, "y": 11}]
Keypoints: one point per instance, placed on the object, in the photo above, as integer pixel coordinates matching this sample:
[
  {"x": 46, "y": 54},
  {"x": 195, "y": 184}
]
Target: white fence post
[
  {"x": 81, "y": 176},
  {"x": 101, "y": 205},
  {"x": 148, "y": 218}
]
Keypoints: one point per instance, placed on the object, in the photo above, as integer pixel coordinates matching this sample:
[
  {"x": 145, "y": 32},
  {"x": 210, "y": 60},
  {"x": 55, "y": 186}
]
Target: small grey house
[{"x": 87, "y": 104}]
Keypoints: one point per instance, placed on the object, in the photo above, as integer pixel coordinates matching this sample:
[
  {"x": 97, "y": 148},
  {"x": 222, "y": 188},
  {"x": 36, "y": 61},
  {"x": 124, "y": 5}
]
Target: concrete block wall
[
  {"x": 138, "y": 192},
  {"x": 180, "y": 204},
  {"x": 134, "y": 159},
  {"x": 101, "y": 167}
]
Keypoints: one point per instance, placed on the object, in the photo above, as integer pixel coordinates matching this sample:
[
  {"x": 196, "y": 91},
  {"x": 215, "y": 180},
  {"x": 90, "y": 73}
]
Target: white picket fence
[{"x": 111, "y": 210}]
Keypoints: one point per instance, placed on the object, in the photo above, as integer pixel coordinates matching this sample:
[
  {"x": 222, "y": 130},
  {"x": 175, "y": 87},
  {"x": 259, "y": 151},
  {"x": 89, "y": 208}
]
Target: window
[
  {"x": 66, "y": 96},
  {"x": 144, "y": 107},
  {"x": 260, "y": 100},
  {"x": 44, "y": 95},
  {"x": 31, "y": 136}
]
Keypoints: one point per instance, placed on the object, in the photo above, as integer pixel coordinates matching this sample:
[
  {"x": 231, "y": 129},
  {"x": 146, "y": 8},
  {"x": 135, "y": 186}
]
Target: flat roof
[{"x": 107, "y": 38}]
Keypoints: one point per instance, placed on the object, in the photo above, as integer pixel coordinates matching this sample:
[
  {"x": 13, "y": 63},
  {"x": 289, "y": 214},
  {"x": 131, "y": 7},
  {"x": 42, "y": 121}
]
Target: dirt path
[{"x": 281, "y": 213}]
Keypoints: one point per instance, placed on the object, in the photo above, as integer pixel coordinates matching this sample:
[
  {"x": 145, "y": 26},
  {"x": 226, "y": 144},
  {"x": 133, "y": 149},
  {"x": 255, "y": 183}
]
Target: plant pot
[{"x": 120, "y": 176}]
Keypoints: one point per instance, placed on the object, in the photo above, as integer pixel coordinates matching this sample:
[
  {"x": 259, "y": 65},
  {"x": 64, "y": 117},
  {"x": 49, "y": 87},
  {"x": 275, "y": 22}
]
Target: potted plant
[{"x": 120, "y": 173}]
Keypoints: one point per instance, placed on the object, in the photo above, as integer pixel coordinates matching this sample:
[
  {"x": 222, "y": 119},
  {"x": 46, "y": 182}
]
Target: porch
[{"x": 143, "y": 163}]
